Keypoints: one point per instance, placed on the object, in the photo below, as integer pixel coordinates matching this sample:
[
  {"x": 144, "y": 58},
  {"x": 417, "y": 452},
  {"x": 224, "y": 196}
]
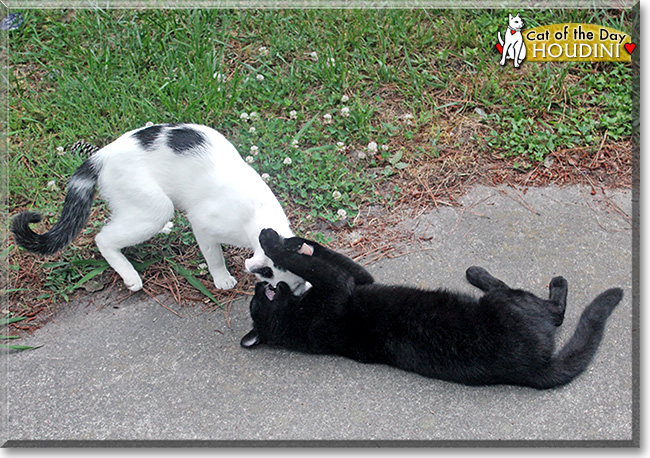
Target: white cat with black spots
[{"x": 148, "y": 173}]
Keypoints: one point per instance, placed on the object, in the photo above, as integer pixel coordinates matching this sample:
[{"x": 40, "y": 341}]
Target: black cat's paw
[
  {"x": 557, "y": 293},
  {"x": 293, "y": 244},
  {"x": 270, "y": 241},
  {"x": 482, "y": 279},
  {"x": 558, "y": 283},
  {"x": 476, "y": 275},
  {"x": 299, "y": 245}
]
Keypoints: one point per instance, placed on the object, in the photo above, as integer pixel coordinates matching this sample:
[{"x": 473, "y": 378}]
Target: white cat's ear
[
  {"x": 517, "y": 15},
  {"x": 510, "y": 17}
]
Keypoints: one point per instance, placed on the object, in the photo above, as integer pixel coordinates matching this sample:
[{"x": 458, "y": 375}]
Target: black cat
[{"x": 505, "y": 337}]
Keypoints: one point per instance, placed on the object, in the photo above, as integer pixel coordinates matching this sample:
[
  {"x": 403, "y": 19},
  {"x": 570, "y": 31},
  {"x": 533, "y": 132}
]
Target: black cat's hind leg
[
  {"x": 482, "y": 279},
  {"x": 557, "y": 293}
]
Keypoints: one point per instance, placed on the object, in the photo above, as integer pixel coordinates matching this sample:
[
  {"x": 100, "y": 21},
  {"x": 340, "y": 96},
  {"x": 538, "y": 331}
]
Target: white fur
[
  {"x": 513, "y": 45},
  {"x": 224, "y": 199}
]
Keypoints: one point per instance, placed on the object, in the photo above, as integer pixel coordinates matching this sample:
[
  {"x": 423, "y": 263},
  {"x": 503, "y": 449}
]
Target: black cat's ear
[{"x": 250, "y": 340}]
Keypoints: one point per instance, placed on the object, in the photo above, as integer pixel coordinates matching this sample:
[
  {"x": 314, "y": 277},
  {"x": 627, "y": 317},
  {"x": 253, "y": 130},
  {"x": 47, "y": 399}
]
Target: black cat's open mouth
[{"x": 269, "y": 291}]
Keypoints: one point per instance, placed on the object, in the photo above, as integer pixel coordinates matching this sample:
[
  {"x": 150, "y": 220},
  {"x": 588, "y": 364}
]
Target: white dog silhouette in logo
[{"x": 513, "y": 46}]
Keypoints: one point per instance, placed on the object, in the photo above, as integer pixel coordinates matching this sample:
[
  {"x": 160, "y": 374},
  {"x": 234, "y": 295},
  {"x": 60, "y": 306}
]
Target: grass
[
  {"x": 7, "y": 322},
  {"x": 303, "y": 94}
]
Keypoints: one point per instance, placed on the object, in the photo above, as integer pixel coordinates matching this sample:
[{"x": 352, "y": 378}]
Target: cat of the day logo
[{"x": 562, "y": 43}]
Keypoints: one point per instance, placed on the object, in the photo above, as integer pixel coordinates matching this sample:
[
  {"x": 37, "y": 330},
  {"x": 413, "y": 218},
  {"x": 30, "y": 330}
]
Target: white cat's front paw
[
  {"x": 134, "y": 284},
  {"x": 225, "y": 282}
]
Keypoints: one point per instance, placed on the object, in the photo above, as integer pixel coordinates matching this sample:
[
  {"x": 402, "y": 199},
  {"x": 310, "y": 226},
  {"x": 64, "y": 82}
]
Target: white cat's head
[
  {"x": 515, "y": 22},
  {"x": 265, "y": 270}
]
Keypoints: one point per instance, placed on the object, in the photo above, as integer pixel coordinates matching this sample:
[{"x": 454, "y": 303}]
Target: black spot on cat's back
[
  {"x": 185, "y": 139},
  {"x": 148, "y": 135}
]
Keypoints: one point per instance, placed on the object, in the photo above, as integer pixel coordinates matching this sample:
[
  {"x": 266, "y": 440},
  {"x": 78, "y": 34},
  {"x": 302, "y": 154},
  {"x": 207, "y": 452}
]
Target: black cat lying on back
[{"x": 505, "y": 337}]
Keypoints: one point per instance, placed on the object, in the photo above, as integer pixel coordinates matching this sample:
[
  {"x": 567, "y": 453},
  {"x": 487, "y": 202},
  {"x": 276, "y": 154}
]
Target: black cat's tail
[
  {"x": 577, "y": 353},
  {"x": 76, "y": 209}
]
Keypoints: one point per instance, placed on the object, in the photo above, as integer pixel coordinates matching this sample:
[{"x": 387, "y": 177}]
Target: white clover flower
[
  {"x": 266, "y": 177},
  {"x": 336, "y": 195},
  {"x": 294, "y": 143},
  {"x": 220, "y": 77},
  {"x": 250, "y": 159},
  {"x": 148, "y": 124},
  {"x": 254, "y": 115},
  {"x": 260, "y": 77},
  {"x": 384, "y": 147},
  {"x": 60, "y": 150},
  {"x": 330, "y": 62},
  {"x": 345, "y": 112},
  {"x": 361, "y": 155},
  {"x": 313, "y": 55},
  {"x": 293, "y": 114},
  {"x": 345, "y": 98},
  {"x": 244, "y": 116},
  {"x": 287, "y": 161},
  {"x": 372, "y": 147},
  {"x": 263, "y": 51},
  {"x": 51, "y": 185},
  {"x": 252, "y": 130},
  {"x": 342, "y": 214},
  {"x": 202, "y": 266},
  {"x": 340, "y": 146},
  {"x": 327, "y": 118},
  {"x": 254, "y": 150}
]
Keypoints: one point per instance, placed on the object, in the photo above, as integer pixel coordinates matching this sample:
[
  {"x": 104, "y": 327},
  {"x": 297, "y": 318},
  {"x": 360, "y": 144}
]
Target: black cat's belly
[{"x": 440, "y": 334}]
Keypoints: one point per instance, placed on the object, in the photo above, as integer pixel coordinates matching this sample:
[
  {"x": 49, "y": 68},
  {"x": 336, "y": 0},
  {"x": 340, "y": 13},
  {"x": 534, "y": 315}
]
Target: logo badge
[{"x": 569, "y": 42}]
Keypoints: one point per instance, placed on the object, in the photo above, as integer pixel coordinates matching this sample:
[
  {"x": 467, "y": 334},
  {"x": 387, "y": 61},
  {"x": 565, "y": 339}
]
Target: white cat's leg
[
  {"x": 110, "y": 241},
  {"x": 130, "y": 226},
  {"x": 214, "y": 258},
  {"x": 119, "y": 234}
]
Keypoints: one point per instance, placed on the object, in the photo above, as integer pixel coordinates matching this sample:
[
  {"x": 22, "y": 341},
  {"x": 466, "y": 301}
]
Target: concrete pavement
[{"x": 111, "y": 374}]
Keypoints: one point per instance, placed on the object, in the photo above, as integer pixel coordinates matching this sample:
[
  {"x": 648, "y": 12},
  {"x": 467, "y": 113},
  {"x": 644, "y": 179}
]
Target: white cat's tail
[
  {"x": 501, "y": 42},
  {"x": 76, "y": 209}
]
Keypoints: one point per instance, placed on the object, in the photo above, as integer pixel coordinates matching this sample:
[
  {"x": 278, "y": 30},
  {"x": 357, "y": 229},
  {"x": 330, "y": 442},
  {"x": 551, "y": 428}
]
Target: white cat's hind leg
[
  {"x": 130, "y": 227},
  {"x": 110, "y": 241}
]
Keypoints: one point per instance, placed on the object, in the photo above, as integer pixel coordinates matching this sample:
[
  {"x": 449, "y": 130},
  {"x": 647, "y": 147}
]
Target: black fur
[
  {"x": 265, "y": 272},
  {"x": 184, "y": 139},
  {"x": 148, "y": 135},
  {"x": 76, "y": 209},
  {"x": 505, "y": 337},
  {"x": 180, "y": 138}
]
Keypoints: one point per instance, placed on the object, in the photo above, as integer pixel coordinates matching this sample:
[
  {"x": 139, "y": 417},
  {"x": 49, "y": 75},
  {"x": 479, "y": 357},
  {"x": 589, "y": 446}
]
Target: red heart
[
  {"x": 512, "y": 32},
  {"x": 629, "y": 47},
  {"x": 499, "y": 48}
]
